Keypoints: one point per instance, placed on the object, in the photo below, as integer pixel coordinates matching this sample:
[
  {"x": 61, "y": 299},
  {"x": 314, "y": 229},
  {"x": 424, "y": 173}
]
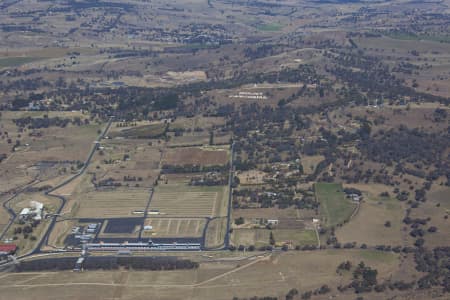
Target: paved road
[
  {"x": 44, "y": 239},
  {"x": 146, "y": 213},
  {"x": 10, "y": 211},
  {"x": 230, "y": 196}
]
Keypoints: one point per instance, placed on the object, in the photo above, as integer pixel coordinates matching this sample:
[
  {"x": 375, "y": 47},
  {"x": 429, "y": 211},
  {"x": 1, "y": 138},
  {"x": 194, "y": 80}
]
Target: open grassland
[
  {"x": 149, "y": 131},
  {"x": 59, "y": 148},
  {"x": 16, "y": 61},
  {"x": 60, "y": 231},
  {"x": 368, "y": 226},
  {"x": 310, "y": 162},
  {"x": 215, "y": 233},
  {"x": 437, "y": 206},
  {"x": 190, "y": 124},
  {"x": 25, "y": 245},
  {"x": 262, "y": 276},
  {"x": 111, "y": 203},
  {"x": 121, "y": 159},
  {"x": 261, "y": 237},
  {"x": 179, "y": 227},
  {"x": 179, "y": 200},
  {"x": 248, "y": 237},
  {"x": 4, "y": 215},
  {"x": 251, "y": 177},
  {"x": 196, "y": 156},
  {"x": 334, "y": 206},
  {"x": 23, "y": 200}
]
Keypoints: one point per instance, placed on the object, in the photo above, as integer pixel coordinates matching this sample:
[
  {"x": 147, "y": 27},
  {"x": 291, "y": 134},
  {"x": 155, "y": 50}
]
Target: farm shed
[{"x": 8, "y": 248}]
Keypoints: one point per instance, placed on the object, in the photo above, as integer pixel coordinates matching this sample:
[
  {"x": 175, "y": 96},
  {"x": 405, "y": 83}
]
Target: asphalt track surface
[
  {"x": 44, "y": 240},
  {"x": 63, "y": 200}
]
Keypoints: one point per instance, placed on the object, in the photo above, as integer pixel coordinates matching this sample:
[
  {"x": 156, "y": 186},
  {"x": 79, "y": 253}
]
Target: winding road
[{"x": 44, "y": 238}]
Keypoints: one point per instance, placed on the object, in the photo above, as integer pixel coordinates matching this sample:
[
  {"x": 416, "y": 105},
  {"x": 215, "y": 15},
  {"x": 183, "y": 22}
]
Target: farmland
[
  {"x": 368, "y": 226},
  {"x": 195, "y": 156},
  {"x": 139, "y": 131},
  {"x": 43, "y": 153},
  {"x": 179, "y": 227},
  {"x": 281, "y": 149},
  {"x": 335, "y": 208},
  {"x": 278, "y": 273},
  {"x": 174, "y": 200},
  {"x": 16, "y": 61},
  {"x": 112, "y": 203}
]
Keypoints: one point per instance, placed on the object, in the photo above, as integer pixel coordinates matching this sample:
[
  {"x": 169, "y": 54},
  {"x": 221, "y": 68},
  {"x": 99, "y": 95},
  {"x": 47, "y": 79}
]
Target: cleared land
[
  {"x": 260, "y": 237},
  {"x": 188, "y": 201},
  {"x": 368, "y": 226},
  {"x": 195, "y": 156},
  {"x": 44, "y": 153},
  {"x": 334, "y": 206},
  {"x": 215, "y": 233},
  {"x": 272, "y": 276},
  {"x": 120, "y": 159},
  {"x": 167, "y": 227},
  {"x": 111, "y": 203},
  {"x": 310, "y": 162},
  {"x": 16, "y": 61},
  {"x": 141, "y": 132}
]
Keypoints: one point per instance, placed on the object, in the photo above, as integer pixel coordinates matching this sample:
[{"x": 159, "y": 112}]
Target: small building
[
  {"x": 355, "y": 197},
  {"x": 79, "y": 264},
  {"x": 33, "y": 212},
  {"x": 76, "y": 230},
  {"x": 92, "y": 226},
  {"x": 25, "y": 212},
  {"x": 8, "y": 248},
  {"x": 123, "y": 252},
  {"x": 272, "y": 222}
]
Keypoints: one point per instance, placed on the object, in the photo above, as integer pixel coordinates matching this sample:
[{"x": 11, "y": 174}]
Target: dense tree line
[{"x": 108, "y": 263}]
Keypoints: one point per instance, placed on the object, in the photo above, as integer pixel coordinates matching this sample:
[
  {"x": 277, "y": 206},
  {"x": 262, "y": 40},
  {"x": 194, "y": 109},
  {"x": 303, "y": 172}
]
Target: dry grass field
[
  {"x": 119, "y": 159},
  {"x": 196, "y": 156},
  {"x": 368, "y": 225},
  {"x": 437, "y": 206},
  {"x": 118, "y": 202},
  {"x": 142, "y": 130},
  {"x": 215, "y": 233},
  {"x": 4, "y": 216},
  {"x": 179, "y": 227},
  {"x": 309, "y": 163},
  {"x": 59, "y": 232},
  {"x": 260, "y": 237},
  {"x": 251, "y": 177},
  {"x": 263, "y": 276},
  {"x": 191, "y": 124},
  {"x": 180, "y": 200},
  {"x": 54, "y": 145}
]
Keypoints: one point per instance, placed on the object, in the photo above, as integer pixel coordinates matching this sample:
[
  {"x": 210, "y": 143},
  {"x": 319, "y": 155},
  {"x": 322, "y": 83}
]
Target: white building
[{"x": 34, "y": 211}]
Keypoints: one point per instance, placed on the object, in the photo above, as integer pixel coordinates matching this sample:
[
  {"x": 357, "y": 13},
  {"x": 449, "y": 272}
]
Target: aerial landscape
[{"x": 224, "y": 149}]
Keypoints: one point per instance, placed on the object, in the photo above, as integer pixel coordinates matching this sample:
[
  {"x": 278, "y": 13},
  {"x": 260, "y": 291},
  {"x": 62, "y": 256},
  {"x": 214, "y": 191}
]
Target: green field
[
  {"x": 16, "y": 61},
  {"x": 269, "y": 27},
  {"x": 334, "y": 206},
  {"x": 380, "y": 256}
]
